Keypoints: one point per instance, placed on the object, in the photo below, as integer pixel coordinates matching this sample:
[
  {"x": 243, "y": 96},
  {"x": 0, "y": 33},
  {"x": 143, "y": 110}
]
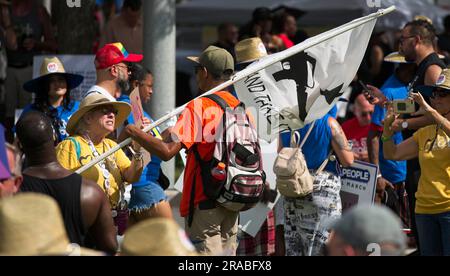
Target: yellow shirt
[
  {"x": 433, "y": 194},
  {"x": 116, "y": 164}
]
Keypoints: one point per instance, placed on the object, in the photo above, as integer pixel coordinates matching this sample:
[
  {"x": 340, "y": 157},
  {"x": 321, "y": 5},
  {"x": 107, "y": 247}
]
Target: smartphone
[
  {"x": 407, "y": 106},
  {"x": 367, "y": 90}
]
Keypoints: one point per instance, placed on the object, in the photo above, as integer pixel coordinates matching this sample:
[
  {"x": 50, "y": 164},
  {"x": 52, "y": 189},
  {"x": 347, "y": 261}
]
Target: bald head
[
  {"x": 35, "y": 132},
  {"x": 363, "y": 110}
]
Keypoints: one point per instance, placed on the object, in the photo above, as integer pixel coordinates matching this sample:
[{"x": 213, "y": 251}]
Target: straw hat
[
  {"x": 443, "y": 82},
  {"x": 31, "y": 224},
  {"x": 249, "y": 50},
  {"x": 157, "y": 237},
  {"x": 51, "y": 66},
  {"x": 396, "y": 57},
  {"x": 423, "y": 18},
  {"x": 92, "y": 101}
]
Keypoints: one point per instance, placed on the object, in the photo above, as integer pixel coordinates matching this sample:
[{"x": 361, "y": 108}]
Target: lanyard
[{"x": 102, "y": 166}]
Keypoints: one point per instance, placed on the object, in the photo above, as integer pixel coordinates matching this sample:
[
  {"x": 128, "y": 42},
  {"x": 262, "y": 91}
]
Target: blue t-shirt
[
  {"x": 63, "y": 114},
  {"x": 150, "y": 174},
  {"x": 393, "y": 171},
  {"x": 318, "y": 145}
]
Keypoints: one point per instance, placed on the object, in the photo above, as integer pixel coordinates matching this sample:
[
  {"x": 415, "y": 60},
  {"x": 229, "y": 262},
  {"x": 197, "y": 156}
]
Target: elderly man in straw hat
[
  {"x": 98, "y": 117},
  {"x": 31, "y": 225},
  {"x": 157, "y": 237},
  {"x": 112, "y": 70},
  {"x": 392, "y": 174},
  {"x": 10, "y": 180},
  {"x": 211, "y": 227},
  {"x": 83, "y": 204},
  {"x": 263, "y": 244},
  {"x": 52, "y": 89}
]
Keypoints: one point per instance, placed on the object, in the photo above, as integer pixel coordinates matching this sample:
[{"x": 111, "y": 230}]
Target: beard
[{"x": 123, "y": 83}]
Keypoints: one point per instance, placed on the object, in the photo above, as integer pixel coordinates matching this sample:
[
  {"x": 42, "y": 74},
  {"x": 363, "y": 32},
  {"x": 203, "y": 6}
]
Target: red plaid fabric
[{"x": 263, "y": 244}]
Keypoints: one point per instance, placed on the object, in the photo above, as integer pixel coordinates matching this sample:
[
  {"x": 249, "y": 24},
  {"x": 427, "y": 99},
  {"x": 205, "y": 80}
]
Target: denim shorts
[{"x": 145, "y": 197}]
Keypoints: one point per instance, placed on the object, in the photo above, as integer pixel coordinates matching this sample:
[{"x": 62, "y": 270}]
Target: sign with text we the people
[{"x": 358, "y": 184}]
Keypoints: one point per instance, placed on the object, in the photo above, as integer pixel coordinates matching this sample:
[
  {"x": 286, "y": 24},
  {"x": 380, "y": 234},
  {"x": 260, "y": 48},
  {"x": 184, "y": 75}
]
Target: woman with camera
[{"x": 431, "y": 145}]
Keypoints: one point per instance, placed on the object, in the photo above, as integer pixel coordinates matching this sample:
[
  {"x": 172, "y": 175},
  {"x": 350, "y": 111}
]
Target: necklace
[{"x": 102, "y": 164}]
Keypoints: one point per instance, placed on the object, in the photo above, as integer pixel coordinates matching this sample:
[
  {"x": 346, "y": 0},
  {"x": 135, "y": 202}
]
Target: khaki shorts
[{"x": 214, "y": 231}]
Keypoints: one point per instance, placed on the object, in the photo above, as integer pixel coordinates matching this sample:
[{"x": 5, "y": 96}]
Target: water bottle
[{"x": 219, "y": 173}]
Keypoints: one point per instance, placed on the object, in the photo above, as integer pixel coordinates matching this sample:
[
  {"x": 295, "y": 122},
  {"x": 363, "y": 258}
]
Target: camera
[{"x": 404, "y": 106}]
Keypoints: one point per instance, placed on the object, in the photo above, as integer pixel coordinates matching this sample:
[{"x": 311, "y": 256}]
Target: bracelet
[{"x": 385, "y": 139}]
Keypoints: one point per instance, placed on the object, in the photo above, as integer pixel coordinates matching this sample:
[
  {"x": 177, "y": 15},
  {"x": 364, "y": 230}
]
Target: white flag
[{"x": 305, "y": 86}]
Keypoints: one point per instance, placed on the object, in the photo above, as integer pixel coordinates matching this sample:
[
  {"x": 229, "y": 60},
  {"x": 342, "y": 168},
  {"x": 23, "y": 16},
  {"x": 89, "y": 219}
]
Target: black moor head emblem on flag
[{"x": 296, "y": 68}]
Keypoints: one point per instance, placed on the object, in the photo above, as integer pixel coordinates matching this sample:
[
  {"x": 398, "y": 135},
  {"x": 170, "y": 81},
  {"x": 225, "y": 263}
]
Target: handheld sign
[
  {"x": 138, "y": 116},
  {"x": 358, "y": 184}
]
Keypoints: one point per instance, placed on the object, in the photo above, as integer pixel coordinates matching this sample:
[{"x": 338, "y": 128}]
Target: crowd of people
[{"x": 56, "y": 135}]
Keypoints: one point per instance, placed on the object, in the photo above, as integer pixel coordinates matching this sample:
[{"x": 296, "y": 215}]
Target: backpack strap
[
  {"x": 192, "y": 202},
  {"x": 223, "y": 105},
  {"x": 218, "y": 100},
  {"x": 77, "y": 146}
]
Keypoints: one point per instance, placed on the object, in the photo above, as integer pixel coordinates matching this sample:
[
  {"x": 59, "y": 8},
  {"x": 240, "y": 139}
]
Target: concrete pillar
[{"x": 159, "y": 56}]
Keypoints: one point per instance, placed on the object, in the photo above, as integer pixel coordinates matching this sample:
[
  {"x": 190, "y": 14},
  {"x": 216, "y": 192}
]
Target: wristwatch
[{"x": 405, "y": 124}]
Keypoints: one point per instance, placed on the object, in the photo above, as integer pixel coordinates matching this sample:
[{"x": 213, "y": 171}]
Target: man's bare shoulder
[{"x": 90, "y": 191}]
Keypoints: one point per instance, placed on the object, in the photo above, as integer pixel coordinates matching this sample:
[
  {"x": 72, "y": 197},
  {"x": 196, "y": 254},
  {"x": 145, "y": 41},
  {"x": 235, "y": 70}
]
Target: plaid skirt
[{"x": 263, "y": 244}]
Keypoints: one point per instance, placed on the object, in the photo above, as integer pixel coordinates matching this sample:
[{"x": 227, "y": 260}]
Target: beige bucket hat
[
  {"x": 92, "y": 101},
  {"x": 32, "y": 225},
  {"x": 157, "y": 237},
  {"x": 249, "y": 50}
]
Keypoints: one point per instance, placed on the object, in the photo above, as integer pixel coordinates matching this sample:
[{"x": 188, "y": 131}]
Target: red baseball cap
[{"x": 112, "y": 54}]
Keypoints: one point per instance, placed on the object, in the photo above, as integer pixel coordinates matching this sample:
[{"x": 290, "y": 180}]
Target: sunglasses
[
  {"x": 197, "y": 68},
  {"x": 126, "y": 67},
  {"x": 108, "y": 110},
  {"x": 13, "y": 176},
  {"x": 402, "y": 39},
  {"x": 367, "y": 113},
  {"x": 439, "y": 94}
]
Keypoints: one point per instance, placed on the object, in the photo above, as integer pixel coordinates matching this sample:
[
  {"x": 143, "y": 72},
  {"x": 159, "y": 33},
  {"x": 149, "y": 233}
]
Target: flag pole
[{"x": 251, "y": 70}]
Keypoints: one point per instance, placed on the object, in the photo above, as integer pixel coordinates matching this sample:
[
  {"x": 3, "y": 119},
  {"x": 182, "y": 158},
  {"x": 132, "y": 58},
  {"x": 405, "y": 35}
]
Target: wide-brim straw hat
[
  {"x": 249, "y": 50},
  {"x": 92, "y": 101},
  {"x": 31, "y": 225},
  {"x": 157, "y": 237},
  {"x": 443, "y": 82},
  {"x": 52, "y": 66},
  {"x": 396, "y": 57}
]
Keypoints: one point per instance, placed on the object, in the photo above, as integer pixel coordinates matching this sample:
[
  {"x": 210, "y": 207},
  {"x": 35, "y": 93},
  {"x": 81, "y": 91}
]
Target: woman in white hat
[
  {"x": 88, "y": 127},
  {"x": 52, "y": 89}
]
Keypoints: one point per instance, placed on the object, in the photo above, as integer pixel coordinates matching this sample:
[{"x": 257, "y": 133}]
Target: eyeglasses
[
  {"x": 12, "y": 176},
  {"x": 124, "y": 66},
  {"x": 366, "y": 113},
  {"x": 107, "y": 110},
  {"x": 439, "y": 94},
  {"x": 402, "y": 39}
]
